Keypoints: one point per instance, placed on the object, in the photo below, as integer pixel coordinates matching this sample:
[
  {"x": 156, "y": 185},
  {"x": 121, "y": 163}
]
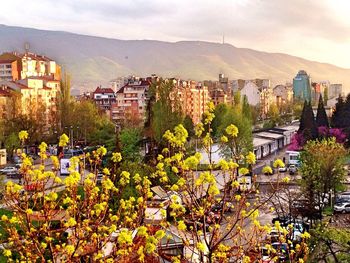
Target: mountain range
[{"x": 94, "y": 60}]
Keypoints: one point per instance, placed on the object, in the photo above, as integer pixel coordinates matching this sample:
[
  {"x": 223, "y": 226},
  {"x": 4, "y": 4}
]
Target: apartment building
[
  {"x": 258, "y": 92},
  {"x": 34, "y": 96},
  {"x": 104, "y": 98},
  {"x": 131, "y": 100},
  {"x": 5, "y": 103},
  {"x": 15, "y": 66},
  {"x": 283, "y": 94},
  {"x": 193, "y": 98}
]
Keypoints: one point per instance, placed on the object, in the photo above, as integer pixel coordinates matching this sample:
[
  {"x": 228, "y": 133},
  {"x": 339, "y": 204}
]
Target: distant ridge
[{"x": 96, "y": 60}]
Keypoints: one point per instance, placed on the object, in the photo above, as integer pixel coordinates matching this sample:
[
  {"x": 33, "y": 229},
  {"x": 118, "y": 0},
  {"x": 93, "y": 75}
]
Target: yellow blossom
[
  {"x": 29, "y": 211},
  {"x": 101, "y": 151},
  {"x": 23, "y": 135},
  {"x": 286, "y": 179},
  {"x": 201, "y": 246},
  {"x": 250, "y": 158},
  {"x": 278, "y": 163},
  {"x": 7, "y": 253},
  {"x": 224, "y": 139},
  {"x": 267, "y": 170},
  {"x": 116, "y": 157},
  {"x": 232, "y": 130},
  {"x": 181, "y": 225},
  {"x": 243, "y": 171},
  {"x": 64, "y": 139}
]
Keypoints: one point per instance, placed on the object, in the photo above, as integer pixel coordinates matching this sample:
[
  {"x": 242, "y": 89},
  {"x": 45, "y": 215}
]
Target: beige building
[
  {"x": 34, "y": 96},
  {"x": 15, "y": 66},
  {"x": 193, "y": 98},
  {"x": 257, "y": 91},
  {"x": 131, "y": 101},
  {"x": 283, "y": 94},
  {"x": 5, "y": 103}
]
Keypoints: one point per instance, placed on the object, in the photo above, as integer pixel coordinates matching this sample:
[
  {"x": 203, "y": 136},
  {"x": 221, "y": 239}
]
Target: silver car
[
  {"x": 342, "y": 207},
  {"x": 9, "y": 169}
]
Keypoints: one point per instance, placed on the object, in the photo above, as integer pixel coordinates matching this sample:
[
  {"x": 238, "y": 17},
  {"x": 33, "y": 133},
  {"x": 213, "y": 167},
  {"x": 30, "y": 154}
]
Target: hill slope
[{"x": 95, "y": 60}]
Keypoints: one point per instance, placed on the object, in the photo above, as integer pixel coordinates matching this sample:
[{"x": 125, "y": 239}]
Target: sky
[{"x": 313, "y": 29}]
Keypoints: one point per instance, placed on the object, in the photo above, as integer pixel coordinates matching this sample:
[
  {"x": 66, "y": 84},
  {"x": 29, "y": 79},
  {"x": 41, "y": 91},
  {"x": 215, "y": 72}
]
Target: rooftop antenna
[{"x": 26, "y": 47}]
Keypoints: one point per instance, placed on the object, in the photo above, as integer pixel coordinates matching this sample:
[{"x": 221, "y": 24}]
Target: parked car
[
  {"x": 344, "y": 195},
  {"x": 282, "y": 169},
  {"x": 342, "y": 207},
  {"x": 292, "y": 169},
  {"x": 8, "y": 169},
  {"x": 14, "y": 175}
]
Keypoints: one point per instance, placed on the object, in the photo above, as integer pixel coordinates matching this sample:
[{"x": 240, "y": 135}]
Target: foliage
[
  {"x": 330, "y": 244},
  {"x": 325, "y": 93},
  {"x": 166, "y": 112},
  {"x": 130, "y": 144},
  {"x": 12, "y": 142},
  {"x": 338, "y": 134},
  {"x": 189, "y": 126},
  {"x": 297, "y": 142},
  {"x": 322, "y": 169},
  {"x": 340, "y": 117},
  {"x": 274, "y": 114},
  {"x": 244, "y": 141},
  {"x": 104, "y": 134},
  {"x": 307, "y": 123},
  {"x": 321, "y": 116},
  {"x": 110, "y": 222}
]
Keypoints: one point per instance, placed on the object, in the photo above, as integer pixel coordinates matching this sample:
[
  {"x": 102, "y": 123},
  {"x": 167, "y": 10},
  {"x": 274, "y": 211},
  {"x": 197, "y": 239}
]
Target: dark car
[{"x": 14, "y": 175}]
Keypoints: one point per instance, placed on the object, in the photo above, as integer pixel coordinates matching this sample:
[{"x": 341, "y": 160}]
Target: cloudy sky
[{"x": 314, "y": 29}]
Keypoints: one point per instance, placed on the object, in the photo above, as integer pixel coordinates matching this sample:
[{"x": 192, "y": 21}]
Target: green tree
[
  {"x": 130, "y": 144},
  {"x": 321, "y": 116},
  {"x": 189, "y": 126},
  {"x": 322, "y": 169},
  {"x": 274, "y": 114},
  {"x": 330, "y": 244},
  {"x": 166, "y": 112},
  {"x": 65, "y": 102},
  {"x": 86, "y": 116},
  {"x": 219, "y": 112},
  {"x": 244, "y": 141},
  {"x": 325, "y": 95},
  {"x": 12, "y": 143},
  {"x": 308, "y": 125},
  {"x": 246, "y": 109}
]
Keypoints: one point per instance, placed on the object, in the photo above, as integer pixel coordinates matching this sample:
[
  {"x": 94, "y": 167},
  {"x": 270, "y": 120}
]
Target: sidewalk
[{"x": 269, "y": 159}]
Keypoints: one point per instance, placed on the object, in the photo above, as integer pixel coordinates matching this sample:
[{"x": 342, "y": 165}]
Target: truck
[{"x": 293, "y": 158}]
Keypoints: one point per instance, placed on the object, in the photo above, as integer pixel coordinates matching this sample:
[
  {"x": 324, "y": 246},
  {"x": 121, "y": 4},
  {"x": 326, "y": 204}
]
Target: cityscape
[{"x": 152, "y": 150}]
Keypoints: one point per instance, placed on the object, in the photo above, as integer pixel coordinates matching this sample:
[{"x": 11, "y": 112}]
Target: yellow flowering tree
[{"x": 81, "y": 218}]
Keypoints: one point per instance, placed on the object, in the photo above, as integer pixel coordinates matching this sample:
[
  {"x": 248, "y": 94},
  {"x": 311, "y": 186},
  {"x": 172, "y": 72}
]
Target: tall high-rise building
[{"x": 302, "y": 86}]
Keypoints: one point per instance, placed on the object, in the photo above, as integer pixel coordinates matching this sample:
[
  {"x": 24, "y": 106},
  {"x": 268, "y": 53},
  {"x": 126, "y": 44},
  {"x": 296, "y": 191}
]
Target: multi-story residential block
[
  {"x": 335, "y": 90},
  {"x": 193, "y": 98},
  {"x": 118, "y": 83},
  {"x": 10, "y": 66},
  {"x": 104, "y": 98},
  {"x": 283, "y": 94},
  {"x": 302, "y": 86},
  {"x": 33, "y": 96},
  {"x": 15, "y": 66},
  {"x": 131, "y": 100},
  {"x": 6, "y": 105},
  {"x": 257, "y": 91}
]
